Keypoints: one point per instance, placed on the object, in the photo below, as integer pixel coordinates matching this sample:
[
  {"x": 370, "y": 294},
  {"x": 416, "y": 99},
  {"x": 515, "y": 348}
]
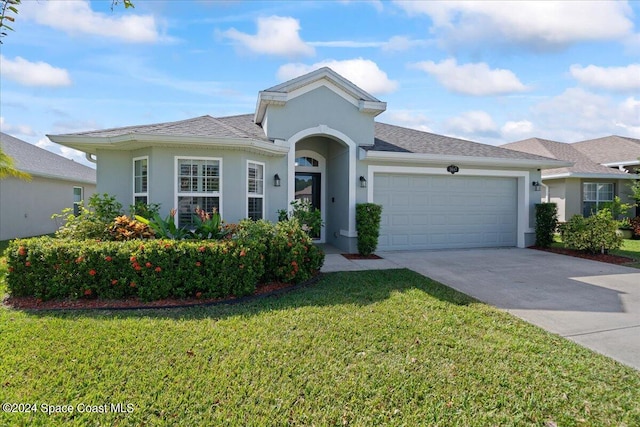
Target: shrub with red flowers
[
  {"x": 635, "y": 226},
  {"x": 290, "y": 255},
  {"x": 49, "y": 268}
]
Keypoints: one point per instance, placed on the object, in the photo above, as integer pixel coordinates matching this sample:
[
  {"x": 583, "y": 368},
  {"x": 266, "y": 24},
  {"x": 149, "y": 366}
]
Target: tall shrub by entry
[
  {"x": 546, "y": 223},
  {"x": 368, "y": 227}
]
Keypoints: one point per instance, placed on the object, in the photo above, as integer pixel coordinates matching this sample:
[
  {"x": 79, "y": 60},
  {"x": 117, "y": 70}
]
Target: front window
[
  {"x": 198, "y": 186},
  {"x": 594, "y": 196},
  {"x": 255, "y": 190},
  {"x": 141, "y": 180}
]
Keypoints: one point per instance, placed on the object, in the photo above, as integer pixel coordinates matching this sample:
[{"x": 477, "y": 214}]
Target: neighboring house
[
  {"x": 602, "y": 169},
  {"x": 56, "y": 183},
  {"x": 319, "y": 130}
]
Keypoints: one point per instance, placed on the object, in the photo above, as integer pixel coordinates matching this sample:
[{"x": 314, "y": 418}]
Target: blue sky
[{"x": 491, "y": 72}]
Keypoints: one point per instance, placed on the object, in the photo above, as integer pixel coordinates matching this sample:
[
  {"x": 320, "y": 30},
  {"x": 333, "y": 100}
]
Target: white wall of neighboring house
[{"x": 26, "y": 206}]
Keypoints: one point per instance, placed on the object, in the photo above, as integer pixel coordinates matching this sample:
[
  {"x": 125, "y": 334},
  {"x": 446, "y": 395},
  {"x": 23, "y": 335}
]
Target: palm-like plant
[{"x": 8, "y": 168}]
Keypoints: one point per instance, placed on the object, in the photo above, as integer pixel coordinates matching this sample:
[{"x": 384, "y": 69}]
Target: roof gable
[
  {"x": 611, "y": 150},
  {"x": 323, "y": 77}
]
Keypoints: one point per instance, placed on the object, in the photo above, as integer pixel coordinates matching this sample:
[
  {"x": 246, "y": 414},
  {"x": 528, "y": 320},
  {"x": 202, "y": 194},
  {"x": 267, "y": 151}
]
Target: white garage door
[{"x": 437, "y": 212}]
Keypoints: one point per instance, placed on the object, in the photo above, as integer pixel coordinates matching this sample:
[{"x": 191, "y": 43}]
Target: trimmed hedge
[
  {"x": 48, "y": 268},
  {"x": 368, "y": 227},
  {"x": 546, "y": 223}
]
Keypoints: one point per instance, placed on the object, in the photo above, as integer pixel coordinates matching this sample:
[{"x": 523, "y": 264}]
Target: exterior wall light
[
  {"x": 536, "y": 185},
  {"x": 453, "y": 169},
  {"x": 363, "y": 182},
  {"x": 276, "y": 180}
]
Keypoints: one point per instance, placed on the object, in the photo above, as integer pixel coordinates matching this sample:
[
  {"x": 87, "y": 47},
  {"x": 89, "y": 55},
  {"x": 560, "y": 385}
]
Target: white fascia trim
[
  {"x": 622, "y": 163},
  {"x": 267, "y": 98},
  {"x": 590, "y": 175},
  {"x": 90, "y": 144},
  {"x": 461, "y": 160},
  {"x": 522, "y": 176}
]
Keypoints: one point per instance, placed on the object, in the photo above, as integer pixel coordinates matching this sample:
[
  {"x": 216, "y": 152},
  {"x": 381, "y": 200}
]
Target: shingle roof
[
  {"x": 389, "y": 138},
  {"x": 203, "y": 126},
  {"x": 37, "y": 161},
  {"x": 562, "y": 151},
  {"x": 404, "y": 140},
  {"x": 610, "y": 149}
]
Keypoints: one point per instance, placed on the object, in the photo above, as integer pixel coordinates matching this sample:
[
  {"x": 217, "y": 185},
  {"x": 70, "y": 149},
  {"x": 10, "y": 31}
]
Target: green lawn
[
  {"x": 357, "y": 348},
  {"x": 631, "y": 249}
]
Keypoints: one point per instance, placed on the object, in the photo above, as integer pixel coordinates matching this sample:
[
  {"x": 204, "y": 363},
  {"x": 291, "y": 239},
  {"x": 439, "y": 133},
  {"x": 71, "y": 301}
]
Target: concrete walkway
[{"x": 594, "y": 304}]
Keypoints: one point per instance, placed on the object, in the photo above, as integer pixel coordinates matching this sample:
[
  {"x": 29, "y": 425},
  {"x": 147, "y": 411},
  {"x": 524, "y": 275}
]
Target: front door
[{"x": 308, "y": 189}]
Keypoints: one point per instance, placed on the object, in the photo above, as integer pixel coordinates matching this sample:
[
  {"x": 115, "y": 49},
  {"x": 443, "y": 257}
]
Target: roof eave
[
  {"x": 589, "y": 175},
  {"x": 59, "y": 177},
  {"x": 463, "y": 160},
  {"x": 91, "y": 144},
  {"x": 622, "y": 163}
]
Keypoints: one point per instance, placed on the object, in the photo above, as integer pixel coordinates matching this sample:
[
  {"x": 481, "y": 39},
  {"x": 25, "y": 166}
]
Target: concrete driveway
[{"x": 594, "y": 304}]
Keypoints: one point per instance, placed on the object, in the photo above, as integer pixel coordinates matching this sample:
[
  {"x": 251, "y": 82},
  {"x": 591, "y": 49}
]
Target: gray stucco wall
[
  {"x": 320, "y": 106},
  {"x": 26, "y": 206},
  {"x": 115, "y": 176}
]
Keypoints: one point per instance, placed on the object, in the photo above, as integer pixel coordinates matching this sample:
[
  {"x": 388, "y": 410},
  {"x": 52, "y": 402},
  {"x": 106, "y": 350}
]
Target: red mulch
[
  {"x": 611, "y": 259},
  {"x": 31, "y": 303},
  {"x": 358, "y": 256}
]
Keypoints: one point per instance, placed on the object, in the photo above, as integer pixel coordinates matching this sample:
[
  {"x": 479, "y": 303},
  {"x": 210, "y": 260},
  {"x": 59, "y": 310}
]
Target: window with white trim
[
  {"x": 141, "y": 180},
  {"x": 594, "y": 195},
  {"x": 255, "y": 190},
  {"x": 78, "y": 195},
  {"x": 198, "y": 186}
]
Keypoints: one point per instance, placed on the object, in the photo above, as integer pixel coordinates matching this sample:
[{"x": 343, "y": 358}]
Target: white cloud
[
  {"x": 629, "y": 117},
  {"x": 540, "y": 24},
  {"x": 472, "y": 79},
  {"x": 472, "y": 122},
  {"x": 277, "y": 35},
  {"x": 516, "y": 130},
  {"x": 611, "y": 78},
  {"x": 364, "y": 73},
  {"x": 16, "y": 129},
  {"x": 408, "y": 119},
  {"x": 33, "y": 73},
  {"x": 77, "y": 18},
  {"x": 402, "y": 43}
]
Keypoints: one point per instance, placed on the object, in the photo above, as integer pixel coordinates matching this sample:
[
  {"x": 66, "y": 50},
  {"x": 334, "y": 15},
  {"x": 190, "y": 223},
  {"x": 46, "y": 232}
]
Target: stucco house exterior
[
  {"x": 602, "y": 169},
  {"x": 315, "y": 137},
  {"x": 56, "y": 183}
]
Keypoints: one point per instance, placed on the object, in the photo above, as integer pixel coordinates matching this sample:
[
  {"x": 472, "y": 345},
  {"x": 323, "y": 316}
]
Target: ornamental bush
[
  {"x": 546, "y": 223},
  {"x": 635, "y": 226},
  {"x": 368, "y": 227},
  {"x": 153, "y": 269},
  {"x": 594, "y": 234},
  {"x": 290, "y": 255}
]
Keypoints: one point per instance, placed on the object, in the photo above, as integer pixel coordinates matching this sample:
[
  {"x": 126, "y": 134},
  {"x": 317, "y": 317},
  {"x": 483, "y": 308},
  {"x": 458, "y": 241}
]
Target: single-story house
[
  {"x": 602, "y": 169},
  {"x": 315, "y": 138},
  {"x": 56, "y": 183}
]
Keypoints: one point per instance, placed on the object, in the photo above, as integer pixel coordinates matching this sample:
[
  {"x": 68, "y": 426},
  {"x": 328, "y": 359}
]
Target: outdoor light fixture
[
  {"x": 536, "y": 185},
  {"x": 453, "y": 169},
  {"x": 363, "y": 182},
  {"x": 276, "y": 180}
]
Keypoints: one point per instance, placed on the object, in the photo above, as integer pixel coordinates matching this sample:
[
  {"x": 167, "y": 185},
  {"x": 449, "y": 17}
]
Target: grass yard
[
  {"x": 631, "y": 249},
  {"x": 357, "y": 348}
]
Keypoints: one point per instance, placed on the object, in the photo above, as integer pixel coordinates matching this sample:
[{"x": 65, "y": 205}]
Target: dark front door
[{"x": 308, "y": 188}]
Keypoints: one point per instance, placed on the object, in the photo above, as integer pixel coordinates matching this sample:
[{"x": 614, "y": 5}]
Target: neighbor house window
[
  {"x": 198, "y": 184},
  {"x": 141, "y": 180},
  {"x": 594, "y": 195},
  {"x": 78, "y": 194},
  {"x": 255, "y": 190}
]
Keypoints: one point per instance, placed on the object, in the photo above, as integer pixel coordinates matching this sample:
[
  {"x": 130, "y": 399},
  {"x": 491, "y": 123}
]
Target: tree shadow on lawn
[{"x": 359, "y": 288}]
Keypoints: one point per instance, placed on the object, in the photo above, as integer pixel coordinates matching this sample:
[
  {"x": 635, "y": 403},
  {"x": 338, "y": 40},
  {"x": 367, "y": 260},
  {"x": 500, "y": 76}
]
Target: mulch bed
[
  {"x": 262, "y": 290},
  {"x": 611, "y": 259},
  {"x": 358, "y": 256}
]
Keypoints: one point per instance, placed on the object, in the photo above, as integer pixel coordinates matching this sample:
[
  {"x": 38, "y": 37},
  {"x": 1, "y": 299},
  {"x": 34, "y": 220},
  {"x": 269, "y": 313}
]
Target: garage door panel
[{"x": 432, "y": 212}]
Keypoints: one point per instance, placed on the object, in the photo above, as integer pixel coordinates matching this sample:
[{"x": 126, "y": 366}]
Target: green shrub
[
  {"x": 290, "y": 255},
  {"x": 594, "y": 234},
  {"x": 368, "y": 227},
  {"x": 91, "y": 223},
  {"x": 154, "y": 269},
  {"x": 634, "y": 223},
  {"x": 546, "y": 223},
  {"x": 310, "y": 218}
]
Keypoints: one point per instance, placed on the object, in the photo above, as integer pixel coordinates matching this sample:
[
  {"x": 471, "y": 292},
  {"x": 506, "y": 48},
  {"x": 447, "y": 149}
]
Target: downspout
[
  {"x": 546, "y": 191},
  {"x": 91, "y": 159}
]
